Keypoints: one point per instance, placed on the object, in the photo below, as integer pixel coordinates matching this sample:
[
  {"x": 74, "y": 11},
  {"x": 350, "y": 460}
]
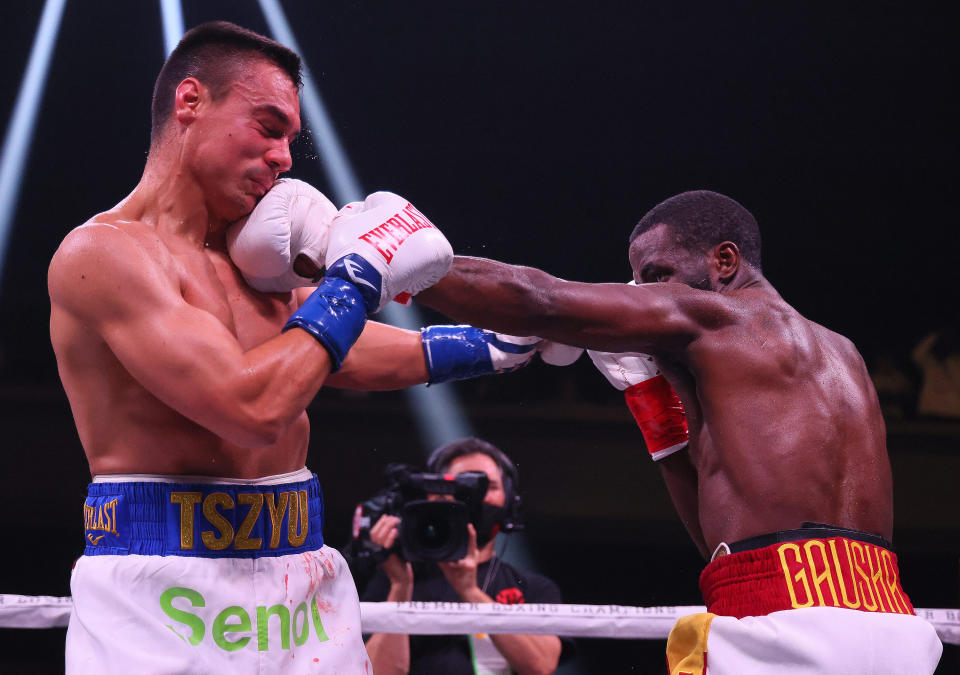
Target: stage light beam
[
  {"x": 16, "y": 143},
  {"x": 172, "y": 14}
]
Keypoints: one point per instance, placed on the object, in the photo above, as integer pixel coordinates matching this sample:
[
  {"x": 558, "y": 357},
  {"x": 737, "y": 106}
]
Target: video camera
[{"x": 431, "y": 530}]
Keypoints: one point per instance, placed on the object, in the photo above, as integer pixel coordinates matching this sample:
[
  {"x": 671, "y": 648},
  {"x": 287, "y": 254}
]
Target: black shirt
[{"x": 450, "y": 654}]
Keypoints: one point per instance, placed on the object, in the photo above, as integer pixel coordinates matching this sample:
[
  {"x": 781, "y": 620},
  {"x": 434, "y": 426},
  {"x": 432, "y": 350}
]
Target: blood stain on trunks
[
  {"x": 312, "y": 570},
  {"x": 327, "y": 564}
]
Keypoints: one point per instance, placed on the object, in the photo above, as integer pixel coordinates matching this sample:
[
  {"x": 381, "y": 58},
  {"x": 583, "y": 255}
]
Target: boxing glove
[
  {"x": 334, "y": 314},
  {"x": 558, "y": 354},
  {"x": 291, "y": 220},
  {"x": 653, "y": 402},
  {"x": 385, "y": 247},
  {"x": 461, "y": 352}
]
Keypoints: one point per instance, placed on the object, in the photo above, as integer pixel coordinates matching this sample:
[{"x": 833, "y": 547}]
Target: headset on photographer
[{"x": 442, "y": 457}]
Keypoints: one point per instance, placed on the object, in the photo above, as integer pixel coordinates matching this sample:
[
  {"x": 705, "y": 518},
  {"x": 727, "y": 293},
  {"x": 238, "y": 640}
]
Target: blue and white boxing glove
[
  {"x": 461, "y": 352},
  {"x": 377, "y": 249}
]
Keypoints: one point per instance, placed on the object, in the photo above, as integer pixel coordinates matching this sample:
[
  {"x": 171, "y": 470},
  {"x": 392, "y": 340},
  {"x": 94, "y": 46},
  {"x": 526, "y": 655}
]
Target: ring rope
[{"x": 446, "y": 618}]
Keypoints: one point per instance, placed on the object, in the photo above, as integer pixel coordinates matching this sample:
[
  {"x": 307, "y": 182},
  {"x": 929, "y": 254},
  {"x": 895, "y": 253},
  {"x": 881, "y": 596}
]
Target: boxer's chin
[{"x": 239, "y": 206}]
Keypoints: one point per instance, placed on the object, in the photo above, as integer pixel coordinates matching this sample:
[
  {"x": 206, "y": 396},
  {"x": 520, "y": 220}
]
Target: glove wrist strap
[
  {"x": 659, "y": 414},
  {"x": 455, "y": 353},
  {"x": 334, "y": 315},
  {"x": 355, "y": 270}
]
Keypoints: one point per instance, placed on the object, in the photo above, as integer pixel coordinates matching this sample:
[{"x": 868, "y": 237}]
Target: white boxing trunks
[
  {"x": 193, "y": 575},
  {"x": 817, "y": 601}
]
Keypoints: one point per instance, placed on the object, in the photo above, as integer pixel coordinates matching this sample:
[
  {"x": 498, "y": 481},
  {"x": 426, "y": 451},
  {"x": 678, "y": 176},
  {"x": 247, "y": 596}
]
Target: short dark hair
[
  {"x": 441, "y": 459},
  {"x": 702, "y": 219},
  {"x": 211, "y": 53}
]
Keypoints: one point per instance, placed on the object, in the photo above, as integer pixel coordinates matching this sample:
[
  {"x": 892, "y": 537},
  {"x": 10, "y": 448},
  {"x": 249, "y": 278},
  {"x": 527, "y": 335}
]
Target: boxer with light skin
[
  {"x": 189, "y": 386},
  {"x": 786, "y": 439}
]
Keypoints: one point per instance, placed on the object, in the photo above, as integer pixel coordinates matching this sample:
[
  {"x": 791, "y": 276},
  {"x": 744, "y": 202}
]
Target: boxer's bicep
[
  {"x": 110, "y": 284},
  {"x": 383, "y": 358},
  {"x": 616, "y": 317}
]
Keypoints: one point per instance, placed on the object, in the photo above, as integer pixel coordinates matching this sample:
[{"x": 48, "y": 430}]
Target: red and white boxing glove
[
  {"x": 291, "y": 220},
  {"x": 653, "y": 402},
  {"x": 386, "y": 247}
]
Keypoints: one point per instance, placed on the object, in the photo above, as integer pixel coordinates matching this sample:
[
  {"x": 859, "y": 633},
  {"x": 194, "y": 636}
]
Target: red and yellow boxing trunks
[{"x": 804, "y": 602}]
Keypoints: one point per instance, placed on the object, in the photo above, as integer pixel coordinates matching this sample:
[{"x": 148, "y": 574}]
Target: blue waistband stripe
[{"x": 204, "y": 520}]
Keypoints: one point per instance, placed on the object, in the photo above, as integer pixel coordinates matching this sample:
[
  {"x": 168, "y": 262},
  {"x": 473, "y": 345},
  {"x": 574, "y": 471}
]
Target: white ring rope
[{"x": 446, "y": 618}]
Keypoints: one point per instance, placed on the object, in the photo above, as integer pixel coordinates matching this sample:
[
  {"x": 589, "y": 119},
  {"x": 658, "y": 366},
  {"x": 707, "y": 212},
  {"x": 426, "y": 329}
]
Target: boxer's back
[
  {"x": 122, "y": 426},
  {"x": 785, "y": 425}
]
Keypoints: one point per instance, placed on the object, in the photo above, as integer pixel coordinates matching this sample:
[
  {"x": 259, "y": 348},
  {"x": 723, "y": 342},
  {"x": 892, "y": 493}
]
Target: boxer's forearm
[
  {"x": 382, "y": 359},
  {"x": 506, "y": 298},
  {"x": 527, "y": 301}
]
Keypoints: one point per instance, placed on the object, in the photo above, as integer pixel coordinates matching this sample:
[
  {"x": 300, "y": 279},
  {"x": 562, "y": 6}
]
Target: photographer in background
[{"x": 478, "y": 577}]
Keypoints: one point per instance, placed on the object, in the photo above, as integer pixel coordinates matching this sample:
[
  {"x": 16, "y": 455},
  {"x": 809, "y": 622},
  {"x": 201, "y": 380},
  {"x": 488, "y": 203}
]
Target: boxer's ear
[
  {"x": 186, "y": 101},
  {"x": 726, "y": 260}
]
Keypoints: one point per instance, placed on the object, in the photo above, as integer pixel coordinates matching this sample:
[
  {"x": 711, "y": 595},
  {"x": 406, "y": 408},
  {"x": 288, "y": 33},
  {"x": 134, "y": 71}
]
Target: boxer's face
[
  {"x": 241, "y": 142},
  {"x": 481, "y": 462},
  {"x": 655, "y": 256}
]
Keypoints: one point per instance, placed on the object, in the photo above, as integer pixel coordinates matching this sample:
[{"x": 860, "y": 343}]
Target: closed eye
[{"x": 271, "y": 132}]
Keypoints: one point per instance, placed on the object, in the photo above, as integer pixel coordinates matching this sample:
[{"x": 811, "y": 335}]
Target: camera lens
[
  {"x": 434, "y": 530},
  {"x": 433, "y": 533}
]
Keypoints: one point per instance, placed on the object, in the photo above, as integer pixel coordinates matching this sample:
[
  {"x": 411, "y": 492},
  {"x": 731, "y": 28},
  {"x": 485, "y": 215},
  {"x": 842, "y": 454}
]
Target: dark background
[{"x": 538, "y": 133}]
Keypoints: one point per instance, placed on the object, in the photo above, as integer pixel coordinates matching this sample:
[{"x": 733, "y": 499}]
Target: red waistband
[{"x": 833, "y": 572}]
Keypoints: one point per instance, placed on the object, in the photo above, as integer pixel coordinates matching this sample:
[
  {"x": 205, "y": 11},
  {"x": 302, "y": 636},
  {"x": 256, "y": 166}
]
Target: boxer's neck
[{"x": 169, "y": 198}]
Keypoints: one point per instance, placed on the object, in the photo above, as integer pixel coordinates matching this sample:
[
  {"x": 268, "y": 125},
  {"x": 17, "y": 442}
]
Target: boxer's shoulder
[
  {"x": 108, "y": 235},
  {"x": 107, "y": 254}
]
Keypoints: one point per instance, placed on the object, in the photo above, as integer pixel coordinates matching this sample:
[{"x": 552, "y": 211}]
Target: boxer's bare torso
[
  {"x": 125, "y": 428},
  {"x": 784, "y": 422}
]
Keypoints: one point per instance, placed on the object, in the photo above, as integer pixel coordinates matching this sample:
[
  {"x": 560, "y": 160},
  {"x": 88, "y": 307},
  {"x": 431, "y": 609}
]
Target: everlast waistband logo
[
  {"x": 842, "y": 573},
  {"x": 223, "y": 535},
  {"x": 100, "y": 518},
  {"x": 388, "y": 236}
]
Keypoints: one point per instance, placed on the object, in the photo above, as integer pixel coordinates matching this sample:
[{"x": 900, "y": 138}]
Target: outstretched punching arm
[{"x": 652, "y": 318}]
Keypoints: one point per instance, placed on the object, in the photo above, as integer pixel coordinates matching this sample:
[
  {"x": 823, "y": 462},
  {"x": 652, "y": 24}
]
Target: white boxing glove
[
  {"x": 559, "y": 354},
  {"x": 292, "y": 219},
  {"x": 653, "y": 402},
  {"x": 386, "y": 247}
]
